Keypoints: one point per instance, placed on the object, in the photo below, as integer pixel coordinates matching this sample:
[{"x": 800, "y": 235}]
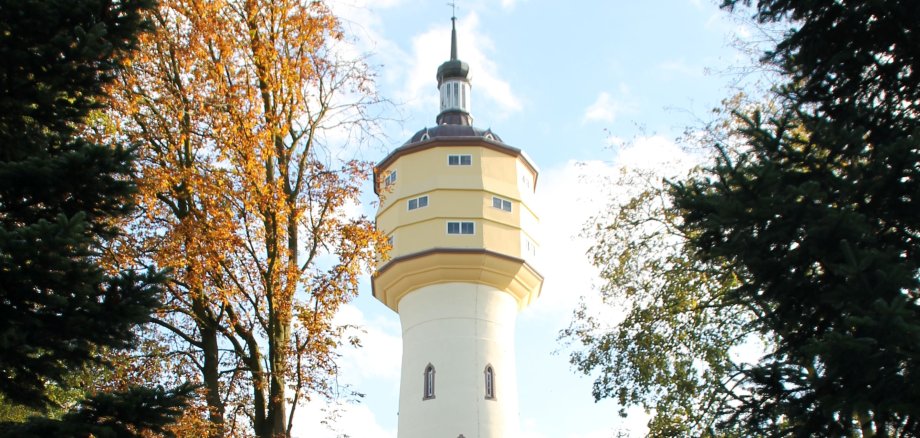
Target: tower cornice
[{"x": 400, "y": 276}]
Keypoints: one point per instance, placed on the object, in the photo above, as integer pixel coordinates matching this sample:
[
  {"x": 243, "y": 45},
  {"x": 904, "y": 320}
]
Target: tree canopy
[
  {"x": 61, "y": 196},
  {"x": 241, "y": 108},
  {"x": 810, "y": 203},
  {"x": 672, "y": 351},
  {"x": 816, "y": 212}
]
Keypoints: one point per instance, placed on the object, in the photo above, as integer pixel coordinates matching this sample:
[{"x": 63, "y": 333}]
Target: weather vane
[{"x": 453, "y": 6}]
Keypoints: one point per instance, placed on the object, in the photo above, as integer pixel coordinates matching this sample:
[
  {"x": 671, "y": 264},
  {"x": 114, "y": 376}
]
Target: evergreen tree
[
  {"x": 60, "y": 198},
  {"x": 818, "y": 214}
]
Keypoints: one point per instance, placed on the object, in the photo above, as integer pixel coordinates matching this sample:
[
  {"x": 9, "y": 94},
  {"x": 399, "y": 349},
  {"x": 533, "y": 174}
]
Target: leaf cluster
[{"x": 672, "y": 351}]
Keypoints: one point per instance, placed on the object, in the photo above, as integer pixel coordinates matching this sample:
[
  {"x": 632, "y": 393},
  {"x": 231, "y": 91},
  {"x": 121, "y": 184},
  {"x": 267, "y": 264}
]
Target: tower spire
[
  {"x": 453, "y": 31},
  {"x": 454, "y": 83}
]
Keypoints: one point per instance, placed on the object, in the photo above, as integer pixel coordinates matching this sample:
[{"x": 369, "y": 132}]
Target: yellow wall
[
  {"x": 424, "y": 254},
  {"x": 456, "y": 193}
]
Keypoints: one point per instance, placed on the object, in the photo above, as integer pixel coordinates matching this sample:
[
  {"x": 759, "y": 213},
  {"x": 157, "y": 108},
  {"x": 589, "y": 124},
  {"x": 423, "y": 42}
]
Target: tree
[
  {"x": 238, "y": 105},
  {"x": 136, "y": 412},
  {"x": 816, "y": 214},
  {"x": 61, "y": 196},
  {"x": 672, "y": 351}
]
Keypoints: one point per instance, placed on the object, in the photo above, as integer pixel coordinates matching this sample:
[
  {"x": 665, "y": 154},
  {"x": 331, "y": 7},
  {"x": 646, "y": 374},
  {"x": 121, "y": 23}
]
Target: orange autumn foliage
[{"x": 242, "y": 110}]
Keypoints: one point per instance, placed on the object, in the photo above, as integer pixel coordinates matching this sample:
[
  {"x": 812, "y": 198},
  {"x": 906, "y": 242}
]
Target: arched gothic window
[
  {"x": 429, "y": 382},
  {"x": 490, "y": 382}
]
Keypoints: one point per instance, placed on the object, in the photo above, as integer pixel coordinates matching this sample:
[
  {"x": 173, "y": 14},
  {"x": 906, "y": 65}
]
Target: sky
[{"x": 585, "y": 87}]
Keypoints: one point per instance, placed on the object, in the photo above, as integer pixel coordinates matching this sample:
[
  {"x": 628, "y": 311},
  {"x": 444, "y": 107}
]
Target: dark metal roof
[
  {"x": 449, "y": 131},
  {"x": 454, "y": 117},
  {"x": 453, "y": 69}
]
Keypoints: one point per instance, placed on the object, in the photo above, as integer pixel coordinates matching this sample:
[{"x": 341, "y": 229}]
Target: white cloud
[
  {"x": 681, "y": 67},
  {"x": 635, "y": 425},
  {"x": 431, "y": 48},
  {"x": 330, "y": 420},
  {"x": 655, "y": 153},
  {"x": 376, "y": 364},
  {"x": 362, "y": 22},
  {"x": 531, "y": 429},
  {"x": 729, "y": 24},
  {"x": 570, "y": 195},
  {"x": 567, "y": 196},
  {"x": 604, "y": 109},
  {"x": 379, "y": 356}
]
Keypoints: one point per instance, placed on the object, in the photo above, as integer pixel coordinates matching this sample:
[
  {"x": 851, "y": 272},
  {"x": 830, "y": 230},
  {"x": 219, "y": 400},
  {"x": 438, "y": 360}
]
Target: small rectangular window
[
  {"x": 421, "y": 201},
  {"x": 460, "y": 160},
  {"x": 527, "y": 182},
  {"x": 390, "y": 179},
  {"x": 501, "y": 204},
  {"x": 461, "y": 228},
  {"x": 528, "y": 247}
]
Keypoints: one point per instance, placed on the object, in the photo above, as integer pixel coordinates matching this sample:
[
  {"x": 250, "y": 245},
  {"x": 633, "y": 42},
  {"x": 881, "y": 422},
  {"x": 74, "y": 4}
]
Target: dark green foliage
[
  {"x": 824, "y": 272},
  {"x": 58, "y": 307},
  {"x": 60, "y": 199},
  {"x": 57, "y": 55},
  {"x": 818, "y": 213},
  {"x": 842, "y": 53},
  {"x": 132, "y": 413}
]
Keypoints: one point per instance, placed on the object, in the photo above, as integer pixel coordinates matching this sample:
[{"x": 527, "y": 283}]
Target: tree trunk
[
  {"x": 277, "y": 409},
  {"x": 211, "y": 374}
]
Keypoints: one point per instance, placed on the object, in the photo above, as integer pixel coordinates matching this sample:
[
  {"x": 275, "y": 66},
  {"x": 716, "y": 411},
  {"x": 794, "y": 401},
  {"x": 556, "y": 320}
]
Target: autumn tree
[
  {"x": 61, "y": 196},
  {"x": 243, "y": 109},
  {"x": 817, "y": 214}
]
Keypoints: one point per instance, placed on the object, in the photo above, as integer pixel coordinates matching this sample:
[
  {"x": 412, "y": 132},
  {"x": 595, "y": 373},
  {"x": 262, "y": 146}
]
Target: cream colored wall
[
  {"x": 459, "y": 328},
  {"x": 457, "y": 193}
]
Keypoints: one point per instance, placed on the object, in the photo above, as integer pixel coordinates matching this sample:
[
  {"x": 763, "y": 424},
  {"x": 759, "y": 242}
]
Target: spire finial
[{"x": 453, "y": 31}]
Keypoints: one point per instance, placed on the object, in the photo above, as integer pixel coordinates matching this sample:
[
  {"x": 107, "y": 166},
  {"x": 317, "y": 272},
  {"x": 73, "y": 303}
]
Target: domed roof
[
  {"x": 453, "y": 131},
  {"x": 454, "y": 68}
]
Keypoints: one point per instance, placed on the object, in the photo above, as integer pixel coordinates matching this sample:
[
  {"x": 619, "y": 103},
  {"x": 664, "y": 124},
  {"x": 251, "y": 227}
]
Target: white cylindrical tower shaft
[{"x": 458, "y": 339}]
